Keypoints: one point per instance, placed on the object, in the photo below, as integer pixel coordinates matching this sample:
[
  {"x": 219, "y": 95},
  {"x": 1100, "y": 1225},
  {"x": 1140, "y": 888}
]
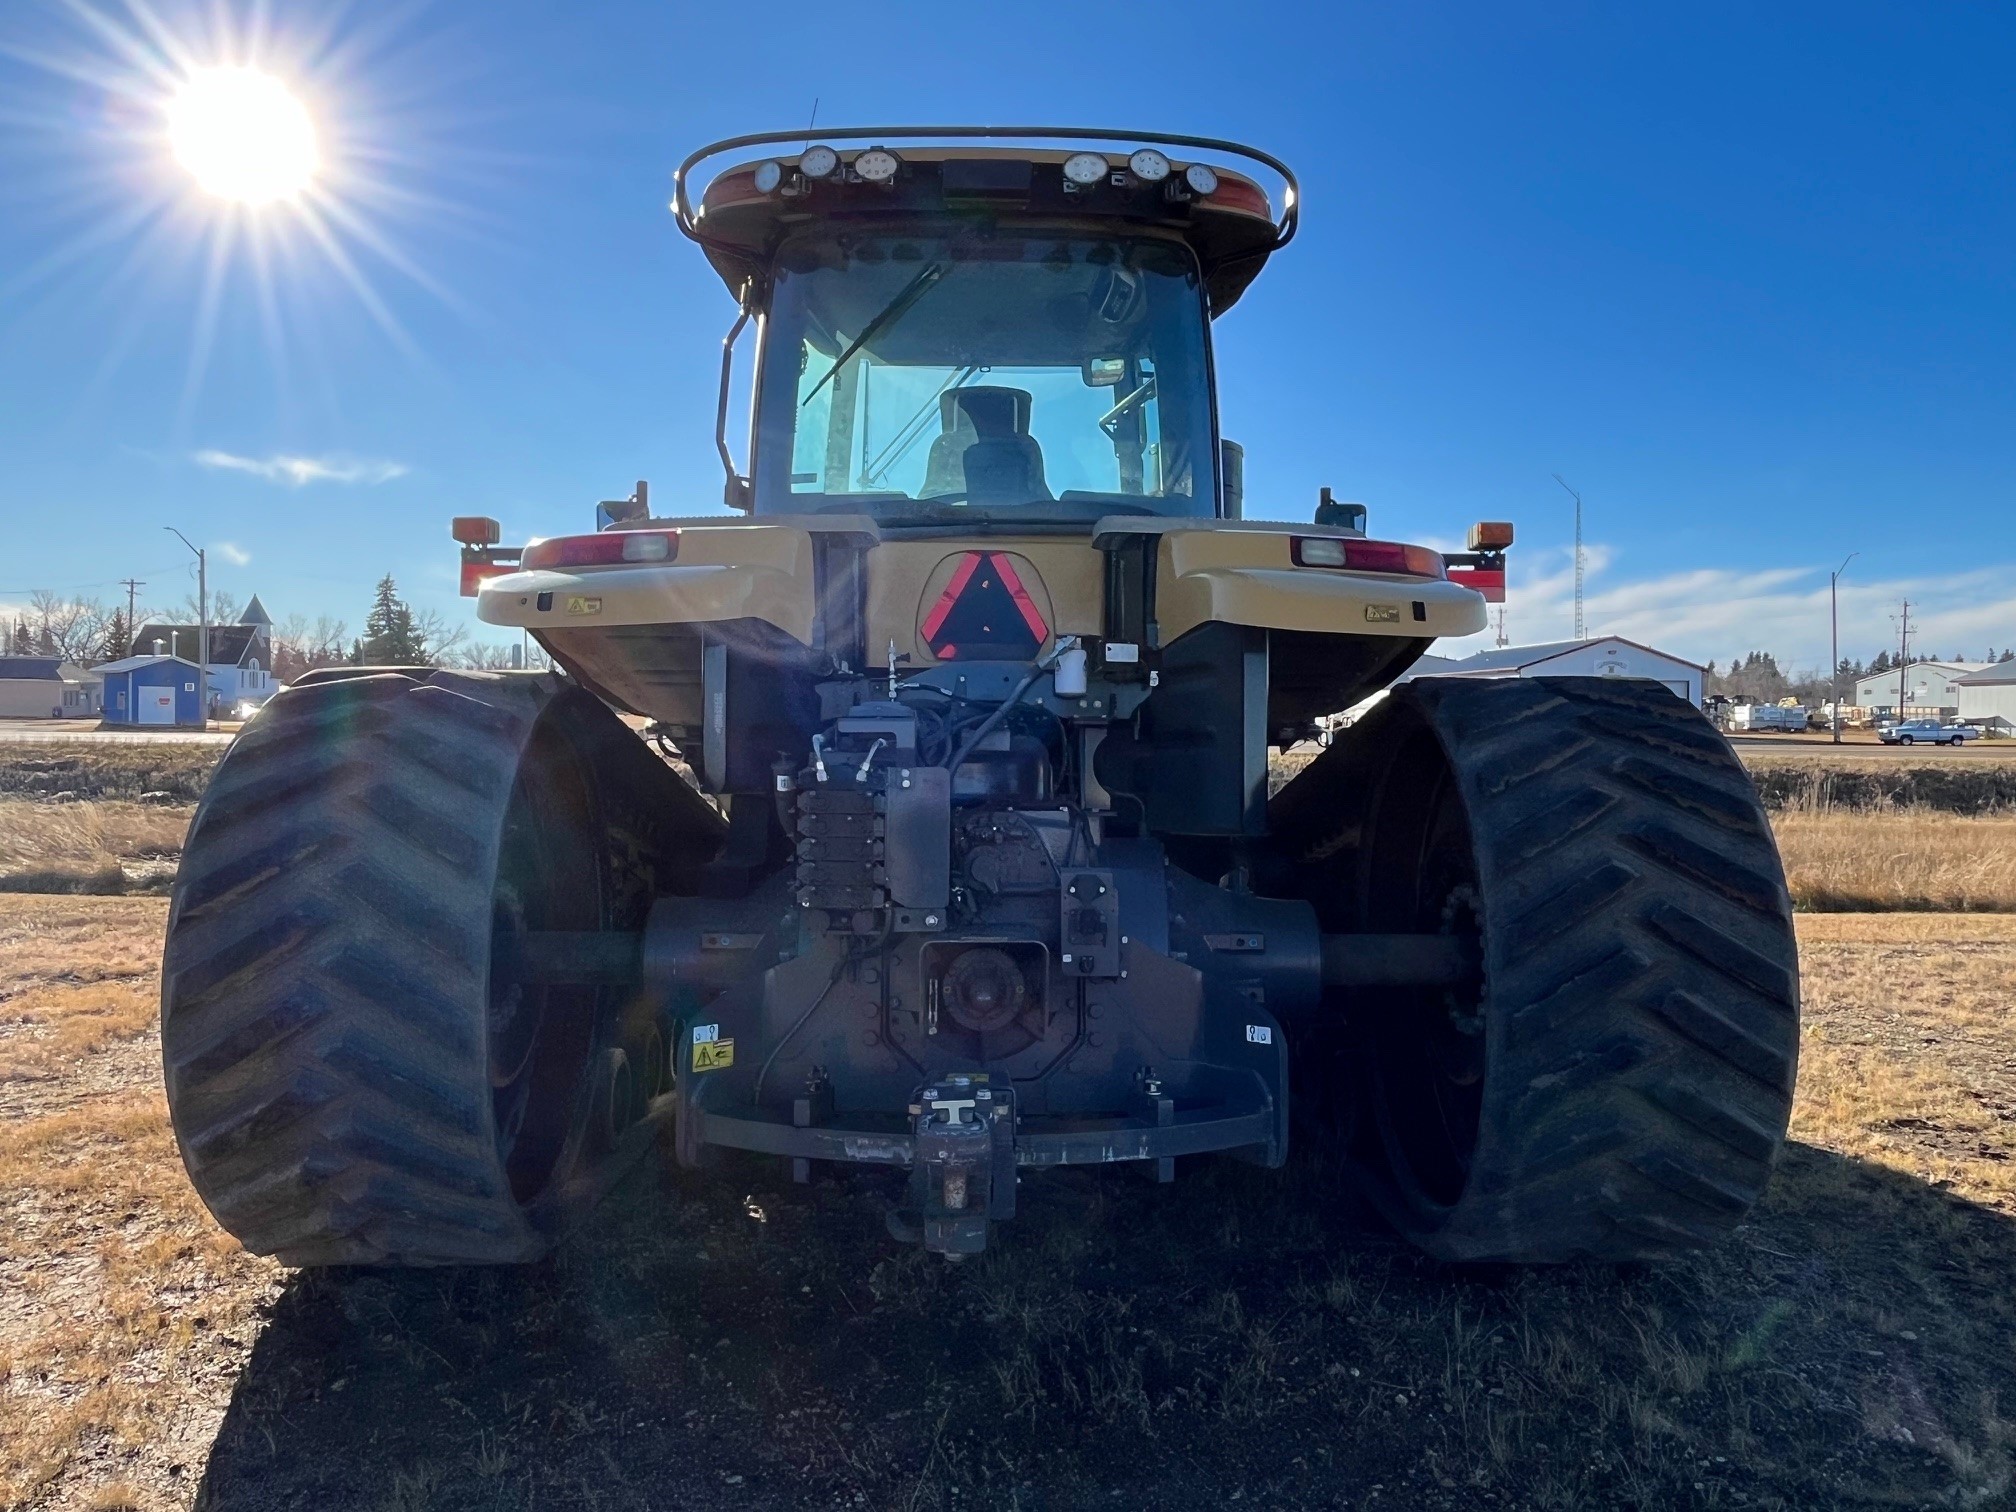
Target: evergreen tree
[
  {"x": 19, "y": 643},
  {"x": 118, "y": 640},
  {"x": 1880, "y": 664},
  {"x": 390, "y": 638},
  {"x": 2007, "y": 656}
]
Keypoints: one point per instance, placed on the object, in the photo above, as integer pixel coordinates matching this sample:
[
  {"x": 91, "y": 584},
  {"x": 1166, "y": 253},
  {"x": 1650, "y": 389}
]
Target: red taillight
[
  {"x": 735, "y": 187},
  {"x": 1237, "y": 194},
  {"x": 1367, "y": 556},
  {"x": 609, "y": 548},
  {"x": 1489, "y": 581}
]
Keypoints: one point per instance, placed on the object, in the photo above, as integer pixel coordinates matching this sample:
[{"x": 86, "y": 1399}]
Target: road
[
  {"x": 41, "y": 731},
  {"x": 1820, "y": 748}
]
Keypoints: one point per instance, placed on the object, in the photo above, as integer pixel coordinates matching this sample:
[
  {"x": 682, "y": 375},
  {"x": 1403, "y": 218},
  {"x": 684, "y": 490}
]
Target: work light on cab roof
[{"x": 968, "y": 865}]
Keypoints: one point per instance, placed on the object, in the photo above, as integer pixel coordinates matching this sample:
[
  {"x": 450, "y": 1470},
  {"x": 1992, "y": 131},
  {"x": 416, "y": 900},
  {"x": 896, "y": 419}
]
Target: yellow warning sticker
[
  {"x": 576, "y": 604},
  {"x": 1382, "y": 614},
  {"x": 714, "y": 1055}
]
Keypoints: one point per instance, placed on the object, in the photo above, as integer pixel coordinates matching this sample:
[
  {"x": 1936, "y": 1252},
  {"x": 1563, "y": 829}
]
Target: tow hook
[{"x": 962, "y": 1172}]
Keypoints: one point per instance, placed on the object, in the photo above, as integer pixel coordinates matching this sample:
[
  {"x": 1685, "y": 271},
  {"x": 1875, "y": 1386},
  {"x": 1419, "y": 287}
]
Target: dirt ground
[{"x": 1243, "y": 1337}]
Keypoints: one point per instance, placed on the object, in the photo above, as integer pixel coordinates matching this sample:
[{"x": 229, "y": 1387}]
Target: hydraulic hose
[{"x": 988, "y": 725}]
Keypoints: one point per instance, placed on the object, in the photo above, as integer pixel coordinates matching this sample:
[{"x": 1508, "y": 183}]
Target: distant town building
[
  {"x": 46, "y": 687},
  {"x": 1987, "y": 697},
  {"x": 1604, "y": 656},
  {"x": 241, "y": 655},
  {"x": 152, "y": 690},
  {"x": 1931, "y": 689}
]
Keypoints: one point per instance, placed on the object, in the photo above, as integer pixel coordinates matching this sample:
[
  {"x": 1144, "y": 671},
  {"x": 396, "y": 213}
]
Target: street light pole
[
  {"x": 1578, "y": 555},
  {"x": 202, "y": 623},
  {"x": 1834, "y": 638}
]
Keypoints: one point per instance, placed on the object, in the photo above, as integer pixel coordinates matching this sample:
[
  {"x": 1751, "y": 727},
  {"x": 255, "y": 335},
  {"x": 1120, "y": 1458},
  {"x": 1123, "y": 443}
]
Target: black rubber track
[
  {"x": 326, "y": 998},
  {"x": 1640, "y": 974}
]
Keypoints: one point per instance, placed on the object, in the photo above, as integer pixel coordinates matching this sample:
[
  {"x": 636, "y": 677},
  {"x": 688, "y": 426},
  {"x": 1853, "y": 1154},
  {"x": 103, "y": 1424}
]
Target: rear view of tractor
[{"x": 972, "y": 868}]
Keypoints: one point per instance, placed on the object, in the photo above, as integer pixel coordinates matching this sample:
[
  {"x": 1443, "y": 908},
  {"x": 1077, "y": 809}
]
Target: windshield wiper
[{"x": 926, "y": 279}]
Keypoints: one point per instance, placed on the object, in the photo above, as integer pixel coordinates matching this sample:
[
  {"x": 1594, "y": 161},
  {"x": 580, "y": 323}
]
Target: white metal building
[
  {"x": 1988, "y": 697},
  {"x": 1604, "y": 656},
  {"x": 1930, "y": 689}
]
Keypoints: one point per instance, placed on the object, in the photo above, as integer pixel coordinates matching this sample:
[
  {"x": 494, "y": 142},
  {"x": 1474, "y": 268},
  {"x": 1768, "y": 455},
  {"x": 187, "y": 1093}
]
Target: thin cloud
[
  {"x": 235, "y": 554},
  {"x": 1712, "y": 614},
  {"x": 298, "y": 472}
]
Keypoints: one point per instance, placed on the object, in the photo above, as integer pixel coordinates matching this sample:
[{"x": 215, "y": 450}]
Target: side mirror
[
  {"x": 1232, "y": 475},
  {"x": 1339, "y": 512},
  {"x": 620, "y": 511}
]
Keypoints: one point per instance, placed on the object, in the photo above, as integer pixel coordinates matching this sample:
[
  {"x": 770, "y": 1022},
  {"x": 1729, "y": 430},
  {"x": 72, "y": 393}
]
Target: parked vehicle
[
  {"x": 1927, "y": 732},
  {"x": 1757, "y": 718}
]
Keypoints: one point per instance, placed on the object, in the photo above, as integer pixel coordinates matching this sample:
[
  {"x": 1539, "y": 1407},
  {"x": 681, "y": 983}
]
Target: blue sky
[{"x": 1742, "y": 274}]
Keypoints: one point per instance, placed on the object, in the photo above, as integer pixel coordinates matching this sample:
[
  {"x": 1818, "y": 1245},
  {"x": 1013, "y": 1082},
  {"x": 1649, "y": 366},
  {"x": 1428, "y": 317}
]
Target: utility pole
[
  {"x": 1579, "y": 634},
  {"x": 1834, "y": 639},
  {"x": 1903, "y": 659},
  {"x": 132, "y": 587},
  {"x": 202, "y": 623}
]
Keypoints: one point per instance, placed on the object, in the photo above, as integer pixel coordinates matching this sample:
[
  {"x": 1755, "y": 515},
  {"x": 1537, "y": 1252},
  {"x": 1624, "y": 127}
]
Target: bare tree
[
  {"x": 444, "y": 641},
  {"x": 299, "y": 646},
  {"x": 72, "y": 628},
  {"x": 483, "y": 656},
  {"x": 224, "y": 608}
]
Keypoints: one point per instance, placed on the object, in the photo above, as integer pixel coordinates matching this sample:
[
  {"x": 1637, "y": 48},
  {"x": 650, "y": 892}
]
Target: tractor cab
[{"x": 957, "y": 330}]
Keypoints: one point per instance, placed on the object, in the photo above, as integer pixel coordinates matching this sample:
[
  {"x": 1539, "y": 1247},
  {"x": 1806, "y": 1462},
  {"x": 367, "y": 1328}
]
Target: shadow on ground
[{"x": 1241, "y": 1337}]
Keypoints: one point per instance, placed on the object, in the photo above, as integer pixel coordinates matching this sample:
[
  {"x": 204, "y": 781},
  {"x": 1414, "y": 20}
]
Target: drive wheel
[
  {"x": 358, "y": 1070},
  {"x": 1616, "y": 1080}
]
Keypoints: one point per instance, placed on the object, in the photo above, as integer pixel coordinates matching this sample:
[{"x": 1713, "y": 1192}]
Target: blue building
[{"x": 154, "y": 691}]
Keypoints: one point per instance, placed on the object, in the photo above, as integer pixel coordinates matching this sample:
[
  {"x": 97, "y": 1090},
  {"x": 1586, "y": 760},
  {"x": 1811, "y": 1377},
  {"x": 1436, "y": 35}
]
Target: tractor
[{"x": 914, "y": 811}]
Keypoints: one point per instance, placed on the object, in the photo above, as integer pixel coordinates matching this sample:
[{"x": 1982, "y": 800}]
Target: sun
[{"x": 244, "y": 136}]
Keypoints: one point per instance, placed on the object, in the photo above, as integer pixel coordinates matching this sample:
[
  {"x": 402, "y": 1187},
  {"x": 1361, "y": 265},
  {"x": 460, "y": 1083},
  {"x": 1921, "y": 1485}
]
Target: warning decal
[{"x": 713, "y": 1055}]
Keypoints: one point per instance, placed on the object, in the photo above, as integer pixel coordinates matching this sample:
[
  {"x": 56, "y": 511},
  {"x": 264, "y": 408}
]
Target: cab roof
[{"x": 1226, "y": 216}]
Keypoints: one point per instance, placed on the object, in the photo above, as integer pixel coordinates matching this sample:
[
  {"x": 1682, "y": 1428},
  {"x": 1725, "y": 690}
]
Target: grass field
[
  {"x": 1834, "y": 861},
  {"x": 1240, "y": 1338},
  {"x": 94, "y": 846},
  {"x": 1907, "y": 861}
]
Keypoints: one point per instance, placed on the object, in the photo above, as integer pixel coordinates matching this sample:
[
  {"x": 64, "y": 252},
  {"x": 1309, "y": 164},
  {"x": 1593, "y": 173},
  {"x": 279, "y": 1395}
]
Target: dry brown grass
[
  {"x": 114, "y": 1283},
  {"x": 92, "y": 847},
  {"x": 75, "y": 977},
  {"x": 1911, "y": 862},
  {"x": 1908, "y": 1056}
]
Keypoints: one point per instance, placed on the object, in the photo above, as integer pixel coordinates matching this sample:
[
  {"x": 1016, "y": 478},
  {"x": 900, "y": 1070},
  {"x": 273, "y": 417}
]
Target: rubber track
[
  {"x": 325, "y": 981},
  {"x": 1642, "y": 975}
]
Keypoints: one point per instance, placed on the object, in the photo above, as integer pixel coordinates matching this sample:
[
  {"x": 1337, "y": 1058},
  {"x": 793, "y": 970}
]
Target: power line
[{"x": 1579, "y": 635}]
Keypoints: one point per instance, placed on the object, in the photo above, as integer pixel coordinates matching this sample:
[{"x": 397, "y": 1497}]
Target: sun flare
[{"x": 243, "y": 135}]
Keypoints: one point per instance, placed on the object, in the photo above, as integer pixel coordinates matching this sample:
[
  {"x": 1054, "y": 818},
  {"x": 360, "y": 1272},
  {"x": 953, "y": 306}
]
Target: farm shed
[
  {"x": 1931, "y": 689},
  {"x": 1604, "y": 656},
  {"x": 1987, "y": 697}
]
